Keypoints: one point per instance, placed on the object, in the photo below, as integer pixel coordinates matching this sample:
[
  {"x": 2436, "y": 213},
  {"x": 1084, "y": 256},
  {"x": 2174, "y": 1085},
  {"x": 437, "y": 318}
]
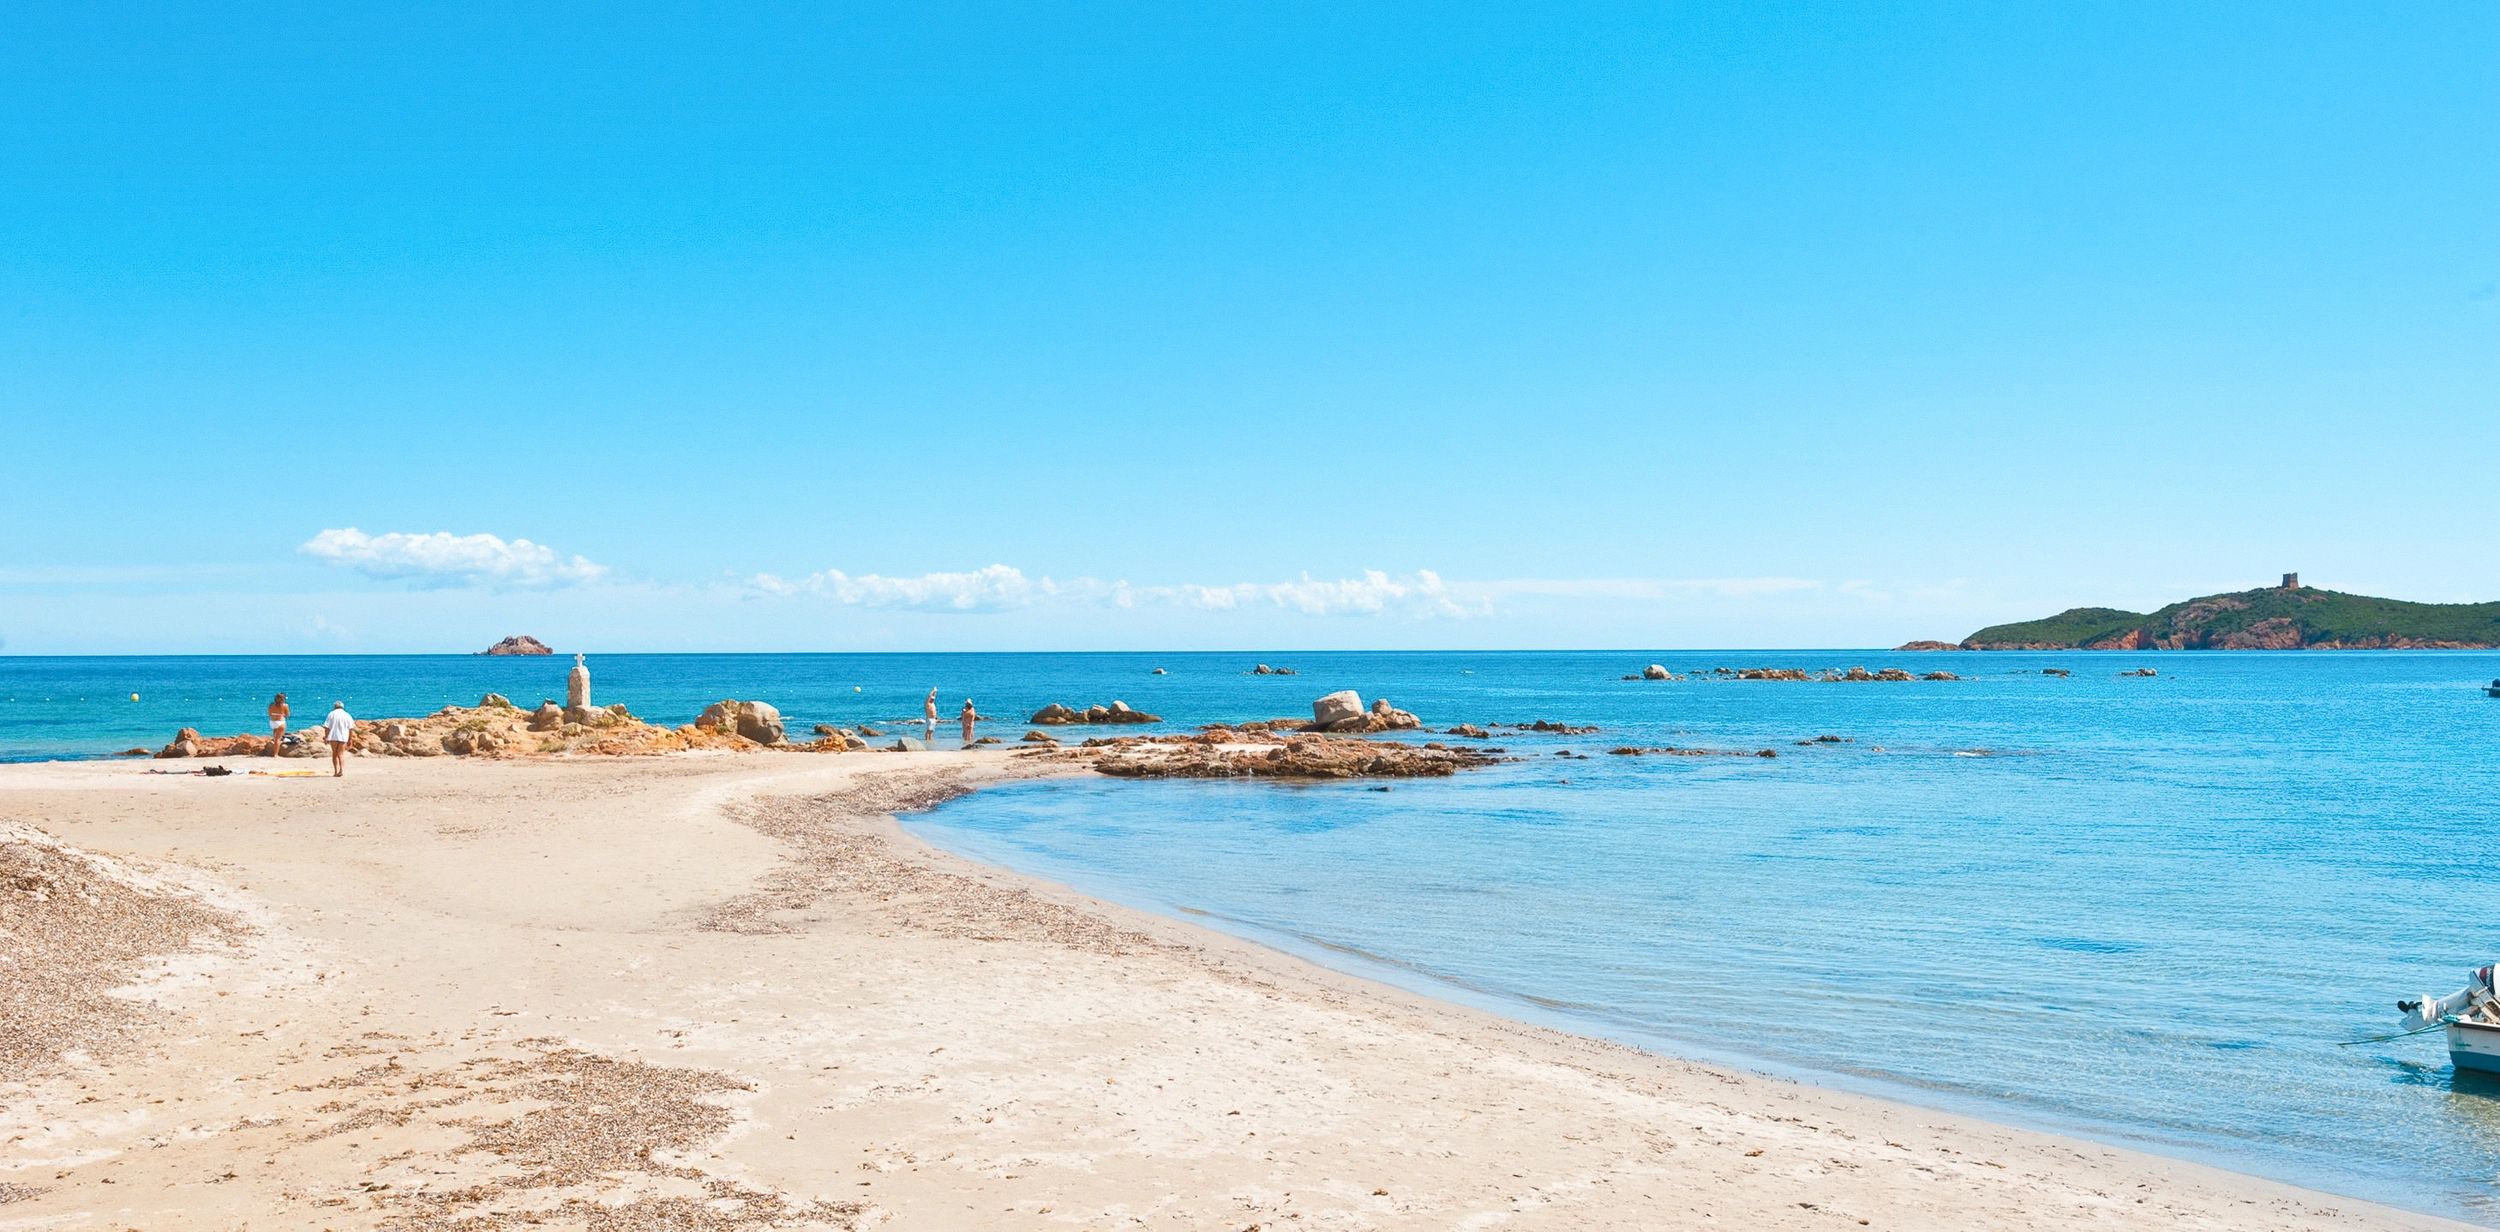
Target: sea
[{"x": 2160, "y": 911}]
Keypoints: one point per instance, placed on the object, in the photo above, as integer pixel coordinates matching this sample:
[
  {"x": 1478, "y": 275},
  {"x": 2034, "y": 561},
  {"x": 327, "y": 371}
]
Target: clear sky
[{"x": 804, "y": 327}]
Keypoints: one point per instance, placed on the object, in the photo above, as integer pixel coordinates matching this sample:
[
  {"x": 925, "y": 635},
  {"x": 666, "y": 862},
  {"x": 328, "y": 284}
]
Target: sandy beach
[{"x": 728, "y": 992}]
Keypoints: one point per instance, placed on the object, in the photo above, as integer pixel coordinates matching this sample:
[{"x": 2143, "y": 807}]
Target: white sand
[{"x": 612, "y": 994}]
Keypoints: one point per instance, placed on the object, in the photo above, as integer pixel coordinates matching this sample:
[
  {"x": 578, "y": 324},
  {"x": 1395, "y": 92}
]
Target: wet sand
[{"x": 727, "y": 992}]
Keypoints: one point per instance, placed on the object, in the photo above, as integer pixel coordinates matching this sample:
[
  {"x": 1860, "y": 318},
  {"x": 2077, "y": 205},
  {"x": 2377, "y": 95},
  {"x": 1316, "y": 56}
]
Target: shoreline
[
  {"x": 729, "y": 879},
  {"x": 1284, "y": 955}
]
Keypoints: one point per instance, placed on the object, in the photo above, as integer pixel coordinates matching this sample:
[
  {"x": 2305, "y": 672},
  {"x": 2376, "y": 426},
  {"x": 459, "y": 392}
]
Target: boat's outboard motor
[{"x": 2425, "y": 1011}]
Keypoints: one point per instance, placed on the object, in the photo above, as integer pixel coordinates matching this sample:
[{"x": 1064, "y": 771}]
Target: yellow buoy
[{"x": 134, "y": 697}]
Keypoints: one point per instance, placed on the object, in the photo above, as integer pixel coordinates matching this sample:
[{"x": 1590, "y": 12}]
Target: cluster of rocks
[
  {"x": 1342, "y": 713},
  {"x": 756, "y": 721},
  {"x": 1056, "y": 715},
  {"x": 1264, "y": 670},
  {"x": 2059, "y": 672},
  {"x": 1655, "y": 671},
  {"x": 2141, "y": 671},
  {"x": 496, "y": 728},
  {"x": 1229, "y": 752}
]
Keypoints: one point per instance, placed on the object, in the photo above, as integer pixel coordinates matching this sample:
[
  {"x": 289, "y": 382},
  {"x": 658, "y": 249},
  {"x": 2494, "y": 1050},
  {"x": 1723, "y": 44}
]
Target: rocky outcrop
[
  {"x": 756, "y": 721},
  {"x": 510, "y": 732},
  {"x": 1940, "y": 676},
  {"x": 1342, "y": 713},
  {"x": 1927, "y": 644},
  {"x": 1657, "y": 671},
  {"x": 2141, "y": 671},
  {"x": 1553, "y": 728},
  {"x": 1220, "y": 752},
  {"x": 1264, "y": 670},
  {"x": 1118, "y": 712},
  {"x": 522, "y": 644},
  {"x": 494, "y": 701},
  {"x": 188, "y": 742},
  {"x": 1469, "y": 730}
]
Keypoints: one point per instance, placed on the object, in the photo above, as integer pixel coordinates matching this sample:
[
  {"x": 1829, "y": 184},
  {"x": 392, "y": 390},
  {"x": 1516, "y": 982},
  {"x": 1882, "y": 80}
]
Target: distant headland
[
  {"x": 2289, "y": 616},
  {"x": 522, "y": 644}
]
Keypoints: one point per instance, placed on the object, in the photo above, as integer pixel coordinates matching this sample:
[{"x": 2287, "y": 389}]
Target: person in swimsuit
[
  {"x": 277, "y": 723},
  {"x": 928, "y": 723},
  {"x": 968, "y": 716}
]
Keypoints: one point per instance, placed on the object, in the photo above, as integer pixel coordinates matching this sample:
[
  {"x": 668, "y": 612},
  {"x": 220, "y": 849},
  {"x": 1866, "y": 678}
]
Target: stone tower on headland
[{"x": 2291, "y": 581}]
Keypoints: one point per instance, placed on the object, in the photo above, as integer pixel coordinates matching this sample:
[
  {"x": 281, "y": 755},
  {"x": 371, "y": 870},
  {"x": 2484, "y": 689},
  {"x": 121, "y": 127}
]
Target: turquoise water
[{"x": 2143, "y": 910}]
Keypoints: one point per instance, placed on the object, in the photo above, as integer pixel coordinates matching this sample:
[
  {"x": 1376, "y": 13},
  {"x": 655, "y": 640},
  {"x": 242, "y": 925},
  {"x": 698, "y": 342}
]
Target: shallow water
[{"x": 2140, "y": 909}]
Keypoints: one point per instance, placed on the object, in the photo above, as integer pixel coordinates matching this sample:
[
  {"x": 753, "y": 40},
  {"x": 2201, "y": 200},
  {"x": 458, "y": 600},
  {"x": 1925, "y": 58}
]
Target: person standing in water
[
  {"x": 928, "y": 724},
  {"x": 337, "y": 729},
  {"x": 277, "y": 723},
  {"x": 968, "y": 716}
]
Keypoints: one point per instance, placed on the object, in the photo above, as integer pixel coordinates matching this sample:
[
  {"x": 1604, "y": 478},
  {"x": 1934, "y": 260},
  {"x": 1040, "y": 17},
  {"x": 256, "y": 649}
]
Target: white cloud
[
  {"x": 1003, "y": 588},
  {"x": 1421, "y": 593},
  {"x": 993, "y": 589},
  {"x": 440, "y": 558}
]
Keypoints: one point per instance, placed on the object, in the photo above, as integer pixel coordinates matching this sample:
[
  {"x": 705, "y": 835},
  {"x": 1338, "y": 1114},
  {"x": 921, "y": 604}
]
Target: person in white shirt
[{"x": 336, "y": 729}]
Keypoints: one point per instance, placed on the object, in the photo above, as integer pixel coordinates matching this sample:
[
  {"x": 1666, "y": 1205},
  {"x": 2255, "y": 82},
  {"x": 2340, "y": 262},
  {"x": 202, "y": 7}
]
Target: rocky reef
[
  {"x": 519, "y": 644},
  {"x": 1118, "y": 712},
  {"x": 1342, "y": 712},
  {"x": 1233, "y": 752}
]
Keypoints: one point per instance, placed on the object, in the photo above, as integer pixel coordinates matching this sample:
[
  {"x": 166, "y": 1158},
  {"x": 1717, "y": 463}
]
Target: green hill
[{"x": 2276, "y": 618}]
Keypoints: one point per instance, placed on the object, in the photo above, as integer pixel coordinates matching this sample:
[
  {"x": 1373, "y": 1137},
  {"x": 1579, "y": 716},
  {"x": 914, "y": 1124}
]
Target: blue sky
[{"x": 798, "y": 327}]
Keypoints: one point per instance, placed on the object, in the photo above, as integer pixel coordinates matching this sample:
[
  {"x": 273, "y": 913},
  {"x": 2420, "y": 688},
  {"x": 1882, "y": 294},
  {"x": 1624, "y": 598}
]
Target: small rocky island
[
  {"x": 2288, "y": 616},
  {"x": 519, "y": 644}
]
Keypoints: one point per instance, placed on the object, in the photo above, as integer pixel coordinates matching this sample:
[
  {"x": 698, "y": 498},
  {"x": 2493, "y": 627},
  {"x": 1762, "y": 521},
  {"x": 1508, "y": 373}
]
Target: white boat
[{"x": 2472, "y": 1016}]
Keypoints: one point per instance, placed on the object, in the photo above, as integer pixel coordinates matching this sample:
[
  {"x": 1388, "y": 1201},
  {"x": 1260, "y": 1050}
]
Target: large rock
[
  {"x": 523, "y": 644},
  {"x": 757, "y": 721},
  {"x": 1656, "y": 671},
  {"x": 548, "y": 717},
  {"x": 495, "y": 701},
  {"x": 1341, "y": 708}
]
